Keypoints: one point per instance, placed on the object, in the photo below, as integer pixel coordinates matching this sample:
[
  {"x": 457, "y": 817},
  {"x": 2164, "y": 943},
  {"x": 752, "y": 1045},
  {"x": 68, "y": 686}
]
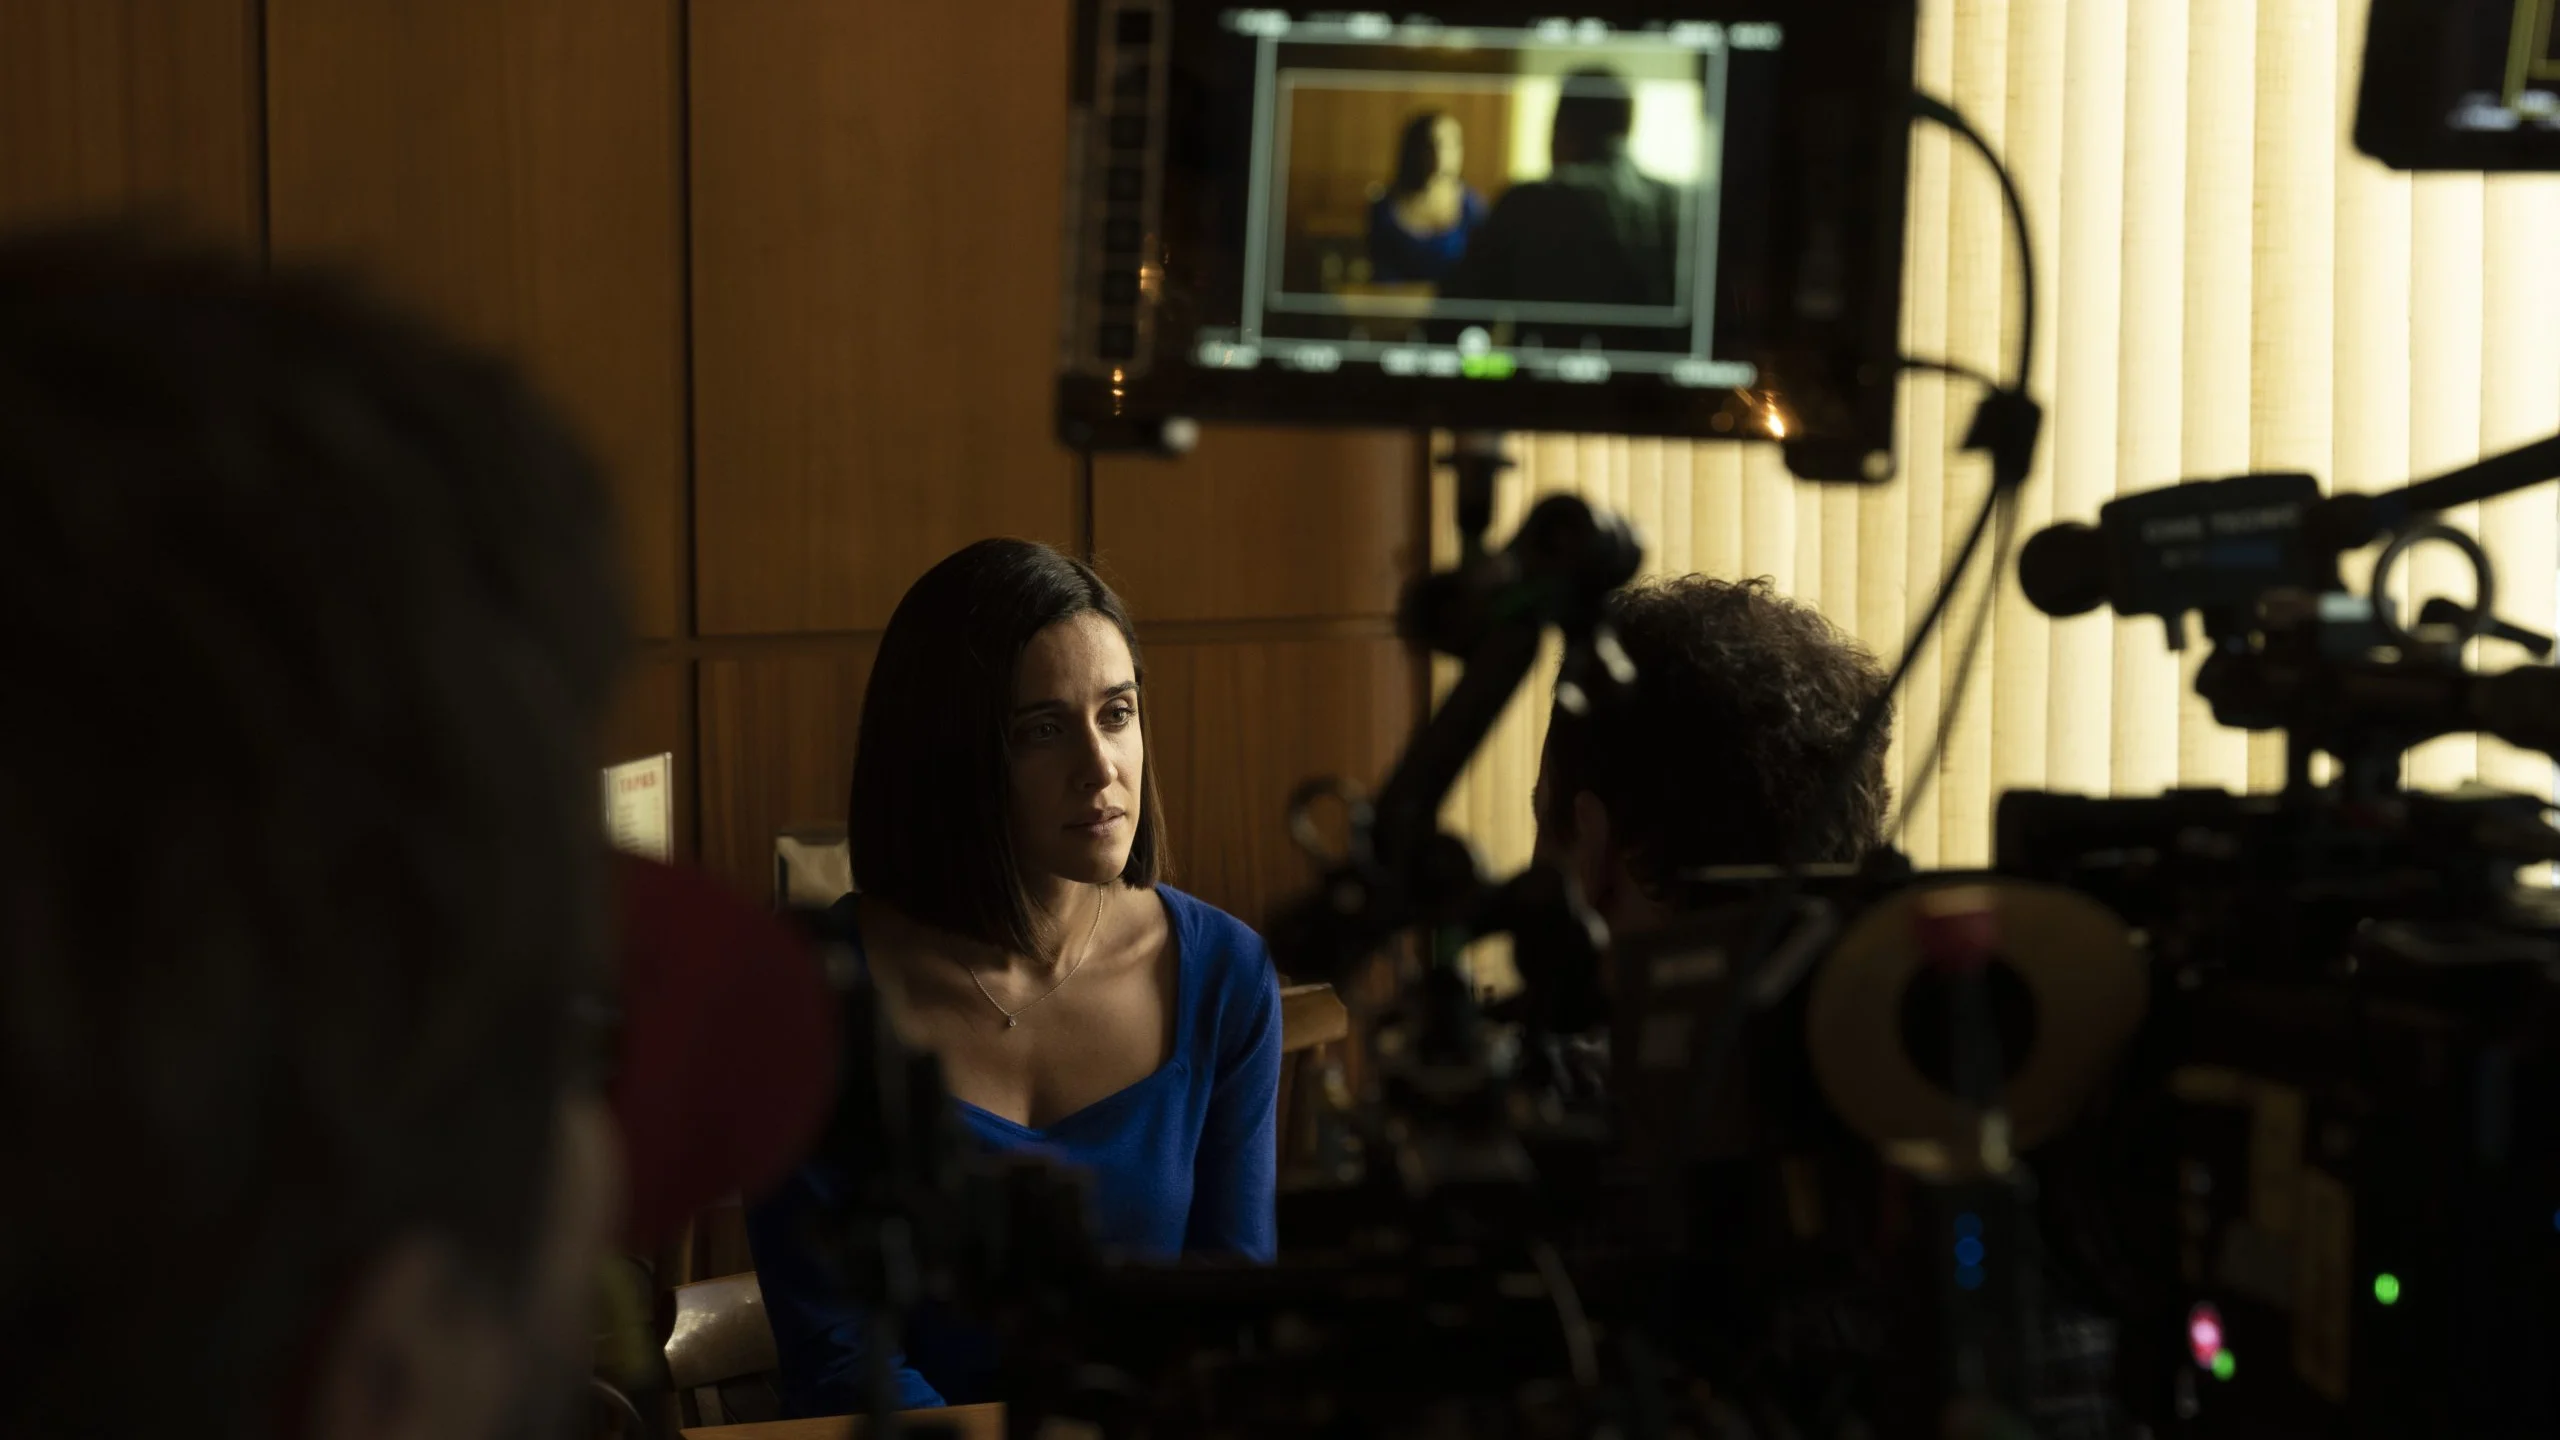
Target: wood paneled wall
[
  {"x": 123, "y": 107},
  {"x": 791, "y": 267},
  {"x": 875, "y": 300},
  {"x": 514, "y": 170}
]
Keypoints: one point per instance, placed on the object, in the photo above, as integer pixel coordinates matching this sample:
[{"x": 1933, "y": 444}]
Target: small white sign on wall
[{"x": 639, "y": 806}]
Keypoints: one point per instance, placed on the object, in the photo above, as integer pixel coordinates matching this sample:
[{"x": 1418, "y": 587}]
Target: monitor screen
[
  {"x": 2462, "y": 85},
  {"x": 1537, "y": 206},
  {"x": 1483, "y": 220}
]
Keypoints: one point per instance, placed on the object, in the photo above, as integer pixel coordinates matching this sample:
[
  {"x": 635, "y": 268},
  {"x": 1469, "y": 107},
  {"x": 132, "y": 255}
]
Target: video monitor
[
  {"x": 2462, "y": 85},
  {"x": 1681, "y": 221}
]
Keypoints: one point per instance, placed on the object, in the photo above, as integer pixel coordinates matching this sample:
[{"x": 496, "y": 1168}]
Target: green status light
[
  {"x": 2386, "y": 1288},
  {"x": 1492, "y": 366},
  {"x": 2224, "y": 1365}
]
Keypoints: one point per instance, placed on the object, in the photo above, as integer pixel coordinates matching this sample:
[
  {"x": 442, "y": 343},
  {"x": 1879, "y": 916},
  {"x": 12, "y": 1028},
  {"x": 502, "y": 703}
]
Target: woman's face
[
  {"x": 1077, "y": 752},
  {"x": 1450, "y": 144}
]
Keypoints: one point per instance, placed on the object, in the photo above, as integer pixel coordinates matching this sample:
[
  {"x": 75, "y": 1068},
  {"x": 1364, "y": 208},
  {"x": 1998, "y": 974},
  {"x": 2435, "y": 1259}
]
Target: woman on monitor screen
[
  {"x": 1007, "y": 849},
  {"x": 1418, "y": 225}
]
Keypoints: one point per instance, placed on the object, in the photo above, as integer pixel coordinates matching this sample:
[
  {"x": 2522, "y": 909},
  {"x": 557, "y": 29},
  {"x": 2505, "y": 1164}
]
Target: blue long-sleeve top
[
  {"x": 1183, "y": 1162},
  {"x": 1397, "y": 254}
]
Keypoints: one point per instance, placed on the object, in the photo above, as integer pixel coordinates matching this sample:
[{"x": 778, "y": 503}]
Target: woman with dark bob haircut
[
  {"x": 1007, "y": 850},
  {"x": 1419, "y": 224}
]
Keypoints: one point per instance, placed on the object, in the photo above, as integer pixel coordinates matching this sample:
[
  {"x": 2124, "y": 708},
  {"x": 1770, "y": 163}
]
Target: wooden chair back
[
  {"x": 721, "y": 1338},
  {"x": 710, "y": 1252},
  {"x": 812, "y": 867},
  {"x": 1314, "y": 1026}
]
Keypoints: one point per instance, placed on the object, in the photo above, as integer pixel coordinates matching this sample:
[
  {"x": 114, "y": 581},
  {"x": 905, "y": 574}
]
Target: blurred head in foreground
[{"x": 302, "y": 906}]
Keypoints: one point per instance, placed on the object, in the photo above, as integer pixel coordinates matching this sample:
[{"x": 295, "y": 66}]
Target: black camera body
[{"x": 2322, "y": 1194}]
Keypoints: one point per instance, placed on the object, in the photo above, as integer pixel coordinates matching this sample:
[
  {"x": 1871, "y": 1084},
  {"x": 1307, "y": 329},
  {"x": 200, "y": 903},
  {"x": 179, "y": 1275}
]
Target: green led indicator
[
  {"x": 2223, "y": 1365},
  {"x": 1487, "y": 367},
  {"x": 2386, "y": 1288}
]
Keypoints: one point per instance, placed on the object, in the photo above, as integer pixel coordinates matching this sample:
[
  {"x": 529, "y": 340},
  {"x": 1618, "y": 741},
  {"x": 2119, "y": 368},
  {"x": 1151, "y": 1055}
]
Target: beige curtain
[{"x": 2227, "y": 286}]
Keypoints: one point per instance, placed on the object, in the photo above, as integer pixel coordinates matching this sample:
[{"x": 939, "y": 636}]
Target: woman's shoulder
[
  {"x": 1209, "y": 931},
  {"x": 1232, "y": 993},
  {"x": 1223, "y": 948}
]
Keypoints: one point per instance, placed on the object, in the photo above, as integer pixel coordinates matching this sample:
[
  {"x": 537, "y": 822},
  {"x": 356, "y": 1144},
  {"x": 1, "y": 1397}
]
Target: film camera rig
[
  {"x": 2048, "y": 1149},
  {"x": 2201, "y": 1114}
]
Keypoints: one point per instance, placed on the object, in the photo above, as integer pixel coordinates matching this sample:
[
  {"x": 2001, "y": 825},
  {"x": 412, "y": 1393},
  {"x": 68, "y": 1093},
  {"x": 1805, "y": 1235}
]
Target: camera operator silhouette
[{"x": 1596, "y": 231}]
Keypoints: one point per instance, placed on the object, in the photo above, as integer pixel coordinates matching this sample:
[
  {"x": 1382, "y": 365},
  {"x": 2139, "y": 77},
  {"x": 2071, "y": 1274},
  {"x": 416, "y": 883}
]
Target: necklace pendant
[{"x": 1012, "y": 1020}]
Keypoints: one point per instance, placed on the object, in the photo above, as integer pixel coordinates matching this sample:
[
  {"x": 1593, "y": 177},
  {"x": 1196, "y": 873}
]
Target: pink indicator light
[{"x": 2204, "y": 1333}]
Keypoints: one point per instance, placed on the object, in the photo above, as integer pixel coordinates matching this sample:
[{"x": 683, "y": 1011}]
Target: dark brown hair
[
  {"x": 1594, "y": 111},
  {"x": 315, "y": 616},
  {"x": 1730, "y": 748},
  {"x": 929, "y": 817},
  {"x": 1417, "y": 154}
]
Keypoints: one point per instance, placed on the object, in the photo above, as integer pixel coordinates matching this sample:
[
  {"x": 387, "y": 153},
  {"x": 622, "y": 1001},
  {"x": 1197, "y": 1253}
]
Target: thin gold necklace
[{"x": 1014, "y": 1017}]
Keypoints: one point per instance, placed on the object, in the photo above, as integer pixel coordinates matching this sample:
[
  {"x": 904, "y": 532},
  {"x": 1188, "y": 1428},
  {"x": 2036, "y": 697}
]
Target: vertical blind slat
[
  {"x": 2088, "y": 296},
  {"x": 1928, "y": 424},
  {"x": 2222, "y": 94},
  {"x": 2151, "y": 370}
]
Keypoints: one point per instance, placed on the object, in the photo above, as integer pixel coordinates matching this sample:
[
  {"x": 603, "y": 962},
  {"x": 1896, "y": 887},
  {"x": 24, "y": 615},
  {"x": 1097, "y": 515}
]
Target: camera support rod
[
  {"x": 2344, "y": 522},
  {"x": 1489, "y": 610}
]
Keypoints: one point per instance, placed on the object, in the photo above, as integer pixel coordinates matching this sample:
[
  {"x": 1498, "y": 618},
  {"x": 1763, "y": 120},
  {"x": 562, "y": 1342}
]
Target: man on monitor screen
[{"x": 1596, "y": 231}]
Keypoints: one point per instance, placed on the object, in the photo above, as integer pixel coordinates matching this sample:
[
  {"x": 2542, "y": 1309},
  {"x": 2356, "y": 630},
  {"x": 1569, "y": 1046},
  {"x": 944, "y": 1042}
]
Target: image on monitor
[
  {"x": 2510, "y": 76},
  {"x": 1540, "y": 203}
]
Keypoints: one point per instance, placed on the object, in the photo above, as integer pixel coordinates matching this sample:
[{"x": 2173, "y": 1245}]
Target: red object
[
  {"x": 2204, "y": 1334},
  {"x": 1958, "y": 929},
  {"x": 727, "y": 1069}
]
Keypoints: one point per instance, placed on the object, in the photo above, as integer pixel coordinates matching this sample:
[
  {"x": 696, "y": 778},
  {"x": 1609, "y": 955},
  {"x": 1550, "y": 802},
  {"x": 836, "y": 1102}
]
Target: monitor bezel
[
  {"x": 2400, "y": 117},
  {"x": 1843, "y": 163}
]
